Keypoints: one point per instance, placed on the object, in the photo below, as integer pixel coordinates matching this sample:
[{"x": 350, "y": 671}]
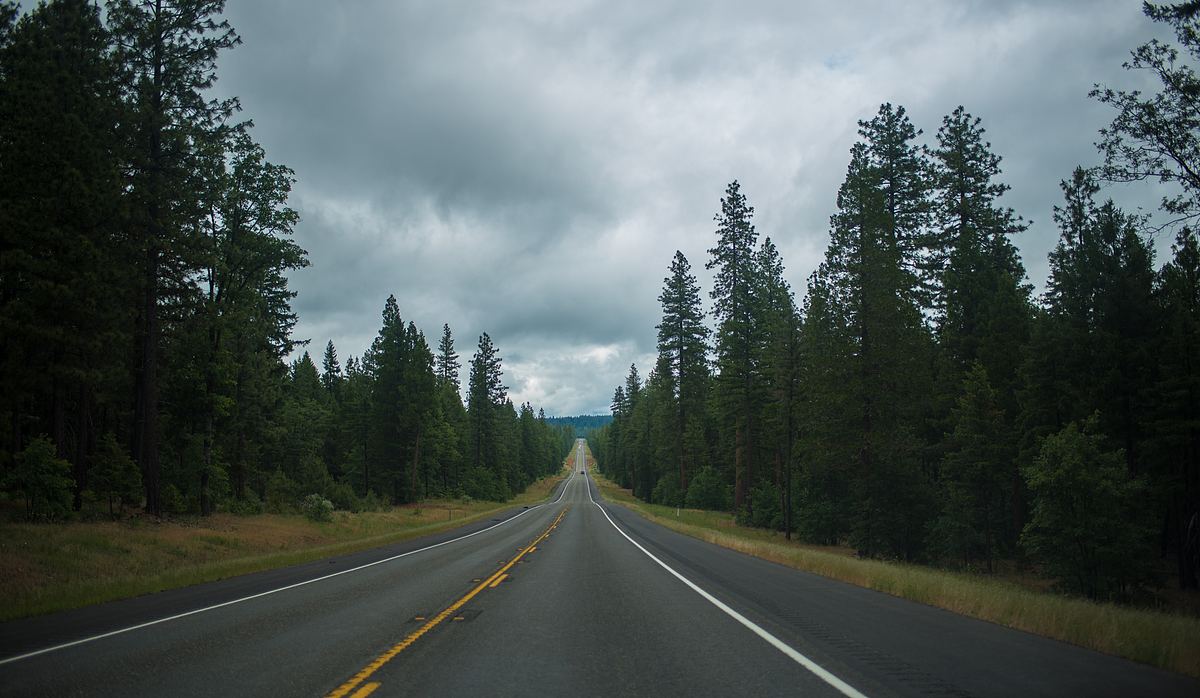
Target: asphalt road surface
[{"x": 572, "y": 597}]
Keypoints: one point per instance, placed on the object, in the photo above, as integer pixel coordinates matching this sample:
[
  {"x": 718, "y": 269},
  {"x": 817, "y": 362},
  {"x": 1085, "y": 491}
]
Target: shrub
[
  {"x": 314, "y": 476},
  {"x": 317, "y": 508},
  {"x": 43, "y": 479},
  {"x": 706, "y": 491},
  {"x": 248, "y": 505},
  {"x": 482, "y": 483},
  {"x": 667, "y": 491},
  {"x": 282, "y": 493},
  {"x": 172, "y": 500},
  {"x": 765, "y": 511},
  {"x": 371, "y": 502},
  {"x": 114, "y": 475},
  {"x": 343, "y": 497}
]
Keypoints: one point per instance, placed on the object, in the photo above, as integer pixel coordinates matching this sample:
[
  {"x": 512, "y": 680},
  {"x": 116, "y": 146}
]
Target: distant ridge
[{"x": 581, "y": 423}]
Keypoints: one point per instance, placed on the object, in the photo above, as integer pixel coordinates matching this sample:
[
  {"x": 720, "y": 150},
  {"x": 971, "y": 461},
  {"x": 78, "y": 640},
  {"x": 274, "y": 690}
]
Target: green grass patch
[
  {"x": 54, "y": 567},
  {"x": 1160, "y": 639}
]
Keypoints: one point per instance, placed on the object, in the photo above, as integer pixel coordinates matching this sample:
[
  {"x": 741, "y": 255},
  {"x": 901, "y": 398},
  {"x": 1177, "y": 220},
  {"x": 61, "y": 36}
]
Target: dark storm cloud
[{"x": 528, "y": 169}]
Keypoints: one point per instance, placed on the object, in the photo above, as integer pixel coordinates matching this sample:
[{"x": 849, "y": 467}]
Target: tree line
[
  {"x": 920, "y": 403},
  {"x": 145, "y": 313}
]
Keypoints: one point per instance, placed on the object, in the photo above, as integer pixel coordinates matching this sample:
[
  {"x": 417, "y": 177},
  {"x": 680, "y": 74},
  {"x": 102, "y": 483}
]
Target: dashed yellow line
[
  {"x": 496, "y": 583},
  {"x": 378, "y": 662}
]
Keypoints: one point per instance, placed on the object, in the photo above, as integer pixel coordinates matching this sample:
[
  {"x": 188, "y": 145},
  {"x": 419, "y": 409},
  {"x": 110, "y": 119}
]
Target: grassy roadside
[
  {"x": 46, "y": 568},
  {"x": 1168, "y": 641}
]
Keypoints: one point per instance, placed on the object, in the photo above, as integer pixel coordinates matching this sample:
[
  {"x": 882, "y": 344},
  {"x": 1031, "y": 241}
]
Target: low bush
[{"x": 317, "y": 508}]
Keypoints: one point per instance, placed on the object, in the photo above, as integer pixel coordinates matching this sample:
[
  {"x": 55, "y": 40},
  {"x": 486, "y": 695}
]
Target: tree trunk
[
  {"x": 416, "y": 466},
  {"x": 145, "y": 432},
  {"x": 739, "y": 466},
  {"x": 206, "y": 507},
  {"x": 82, "y": 444}
]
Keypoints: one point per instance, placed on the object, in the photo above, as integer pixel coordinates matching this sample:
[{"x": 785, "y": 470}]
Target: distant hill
[{"x": 582, "y": 423}]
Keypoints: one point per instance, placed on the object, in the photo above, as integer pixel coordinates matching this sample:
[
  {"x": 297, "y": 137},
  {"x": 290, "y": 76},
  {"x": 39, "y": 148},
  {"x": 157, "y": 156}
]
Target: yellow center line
[
  {"x": 386, "y": 657},
  {"x": 366, "y": 690},
  {"x": 496, "y": 583}
]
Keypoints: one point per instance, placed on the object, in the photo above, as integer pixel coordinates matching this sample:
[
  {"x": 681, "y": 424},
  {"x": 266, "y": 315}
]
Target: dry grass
[
  {"x": 46, "y": 568},
  {"x": 1160, "y": 639}
]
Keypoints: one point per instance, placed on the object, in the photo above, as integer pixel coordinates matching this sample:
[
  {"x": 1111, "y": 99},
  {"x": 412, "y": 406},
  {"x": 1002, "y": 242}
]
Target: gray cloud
[{"x": 528, "y": 169}]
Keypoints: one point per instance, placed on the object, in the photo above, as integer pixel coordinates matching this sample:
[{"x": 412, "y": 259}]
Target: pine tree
[
  {"x": 63, "y": 265},
  {"x": 870, "y": 280},
  {"x": 385, "y": 362},
  {"x": 780, "y": 368},
  {"x": 733, "y": 308},
  {"x": 447, "y": 360},
  {"x": 1176, "y": 417},
  {"x": 1100, "y": 292},
  {"x": 331, "y": 371},
  {"x": 981, "y": 298},
  {"x": 982, "y": 305},
  {"x": 905, "y": 180},
  {"x": 975, "y": 478},
  {"x": 115, "y": 476},
  {"x": 682, "y": 348},
  {"x": 245, "y": 252},
  {"x": 169, "y": 50},
  {"x": 829, "y": 440},
  {"x": 486, "y": 398},
  {"x": 43, "y": 480},
  {"x": 1088, "y": 525},
  {"x": 614, "y": 458},
  {"x": 418, "y": 406}
]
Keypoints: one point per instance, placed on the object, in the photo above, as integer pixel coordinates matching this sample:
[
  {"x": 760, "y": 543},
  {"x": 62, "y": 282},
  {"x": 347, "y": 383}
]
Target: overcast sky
[{"x": 529, "y": 169}]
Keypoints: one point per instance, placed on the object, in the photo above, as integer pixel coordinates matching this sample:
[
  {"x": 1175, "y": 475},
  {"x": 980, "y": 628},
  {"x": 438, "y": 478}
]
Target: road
[{"x": 572, "y": 597}]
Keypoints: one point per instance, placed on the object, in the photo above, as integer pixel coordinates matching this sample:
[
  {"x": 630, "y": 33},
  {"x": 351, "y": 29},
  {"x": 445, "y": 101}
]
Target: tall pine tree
[{"x": 734, "y": 306}]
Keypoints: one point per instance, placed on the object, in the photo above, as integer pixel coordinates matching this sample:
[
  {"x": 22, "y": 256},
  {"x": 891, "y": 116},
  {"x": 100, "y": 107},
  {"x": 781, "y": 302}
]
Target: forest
[
  {"x": 583, "y": 423},
  {"x": 920, "y": 402},
  {"x": 145, "y": 316}
]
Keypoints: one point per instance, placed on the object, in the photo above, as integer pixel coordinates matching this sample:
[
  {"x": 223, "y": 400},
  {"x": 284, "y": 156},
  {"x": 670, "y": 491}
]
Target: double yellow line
[{"x": 492, "y": 581}]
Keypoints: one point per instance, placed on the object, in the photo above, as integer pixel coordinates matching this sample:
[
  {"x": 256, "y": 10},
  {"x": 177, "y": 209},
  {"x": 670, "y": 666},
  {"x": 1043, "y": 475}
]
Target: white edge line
[
  {"x": 817, "y": 669},
  {"x": 177, "y": 616}
]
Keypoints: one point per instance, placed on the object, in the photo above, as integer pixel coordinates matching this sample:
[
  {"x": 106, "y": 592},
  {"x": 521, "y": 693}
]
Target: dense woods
[
  {"x": 145, "y": 314},
  {"x": 920, "y": 402}
]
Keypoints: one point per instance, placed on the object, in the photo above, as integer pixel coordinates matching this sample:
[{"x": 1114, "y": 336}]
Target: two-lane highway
[{"x": 573, "y": 597}]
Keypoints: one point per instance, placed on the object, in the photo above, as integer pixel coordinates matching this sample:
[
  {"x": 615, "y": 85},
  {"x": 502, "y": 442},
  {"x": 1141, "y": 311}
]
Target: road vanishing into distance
[{"x": 571, "y": 597}]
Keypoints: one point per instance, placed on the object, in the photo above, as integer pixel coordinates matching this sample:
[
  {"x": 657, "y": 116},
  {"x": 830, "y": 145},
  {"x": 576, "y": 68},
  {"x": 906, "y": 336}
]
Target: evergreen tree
[
  {"x": 1100, "y": 292},
  {"x": 682, "y": 349},
  {"x": 168, "y": 49},
  {"x": 780, "y": 368},
  {"x": 486, "y": 398},
  {"x": 1176, "y": 417},
  {"x": 888, "y": 368},
  {"x": 982, "y": 303},
  {"x": 975, "y": 478},
  {"x": 42, "y": 479},
  {"x": 418, "y": 414},
  {"x": 63, "y": 265},
  {"x": 829, "y": 442},
  {"x": 115, "y": 476},
  {"x": 733, "y": 308},
  {"x": 904, "y": 180},
  {"x": 331, "y": 370},
  {"x": 981, "y": 299},
  {"x": 384, "y": 363},
  {"x": 447, "y": 360},
  {"x": 243, "y": 259},
  {"x": 1088, "y": 525}
]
